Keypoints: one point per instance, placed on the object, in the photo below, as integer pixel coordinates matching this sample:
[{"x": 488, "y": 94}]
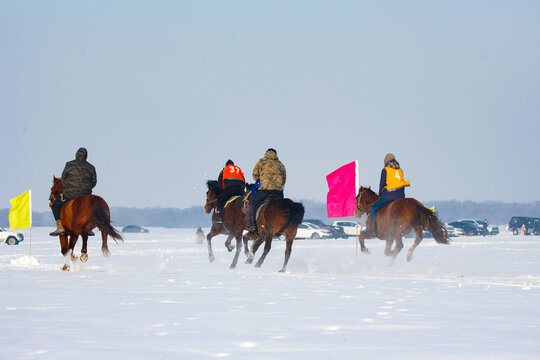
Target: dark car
[
  {"x": 134, "y": 229},
  {"x": 336, "y": 232},
  {"x": 516, "y": 222},
  {"x": 468, "y": 228}
]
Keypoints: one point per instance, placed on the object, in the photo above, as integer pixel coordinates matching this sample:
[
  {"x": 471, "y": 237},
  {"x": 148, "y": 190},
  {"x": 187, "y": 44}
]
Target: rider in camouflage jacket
[
  {"x": 79, "y": 178},
  {"x": 271, "y": 175}
]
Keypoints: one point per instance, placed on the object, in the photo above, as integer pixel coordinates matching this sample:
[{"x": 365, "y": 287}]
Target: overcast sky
[{"x": 162, "y": 93}]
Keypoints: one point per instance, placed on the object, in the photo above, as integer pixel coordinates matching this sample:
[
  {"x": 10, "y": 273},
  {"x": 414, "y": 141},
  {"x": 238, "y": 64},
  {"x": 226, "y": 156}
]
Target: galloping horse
[
  {"x": 276, "y": 217},
  {"x": 234, "y": 221},
  {"x": 396, "y": 220},
  {"x": 79, "y": 216}
]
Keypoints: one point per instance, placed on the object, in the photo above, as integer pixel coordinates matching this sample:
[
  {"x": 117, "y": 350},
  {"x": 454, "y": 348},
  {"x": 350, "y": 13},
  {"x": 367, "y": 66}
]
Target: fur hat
[{"x": 389, "y": 157}]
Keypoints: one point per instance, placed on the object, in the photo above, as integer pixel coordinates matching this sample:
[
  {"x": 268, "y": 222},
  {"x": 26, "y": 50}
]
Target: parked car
[
  {"x": 336, "y": 232},
  {"x": 10, "y": 237},
  {"x": 454, "y": 231},
  {"x": 310, "y": 231},
  {"x": 134, "y": 229},
  {"x": 468, "y": 228},
  {"x": 349, "y": 227},
  {"x": 516, "y": 222},
  {"x": 492, "y": 230}
]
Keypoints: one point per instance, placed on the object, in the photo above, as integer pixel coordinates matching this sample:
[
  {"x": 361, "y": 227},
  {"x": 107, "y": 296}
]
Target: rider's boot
[
  {"x": 371, "y": 229},
  {"x": 251, "y": 225},
  {"x": 59, "y": 229},
  {"x": 219, "y": 217}
]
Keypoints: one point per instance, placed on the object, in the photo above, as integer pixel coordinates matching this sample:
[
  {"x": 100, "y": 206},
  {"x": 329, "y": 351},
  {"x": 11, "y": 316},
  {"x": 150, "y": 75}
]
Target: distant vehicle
[
  {"x": 10, "y": 237},
  {"x": 134, "y": 229},
  {"x": 469, "y": 229},
  {"x": 349, "y": 227},
  {"x": 516, "y": 222},
  {"x": 336, "y": 232},
  {"x": 310, "y": 231},
  {"x": 454, "y": 231},
  {"x": 492, "y": 230}
]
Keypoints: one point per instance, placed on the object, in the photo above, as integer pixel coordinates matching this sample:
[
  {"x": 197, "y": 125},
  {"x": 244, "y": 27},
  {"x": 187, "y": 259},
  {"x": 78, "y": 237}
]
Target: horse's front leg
[
  {"x": 228, "y": 245},
  {"x": 267, "y": 246},
  {"x": 84, "y": 251},
  {"x": 209, "y": 237},
  {"x": 417, "y": 241},
  {"x": 388, "y": 248},
  {"x": 288, "y": 251},
  {"x": 395, "y": 252},
  {"x": 254, "y": 247},
  {"x": 238, "y": 249},
  {"x": 363, "y": 248},
  {"x": 66, "y": 251}
]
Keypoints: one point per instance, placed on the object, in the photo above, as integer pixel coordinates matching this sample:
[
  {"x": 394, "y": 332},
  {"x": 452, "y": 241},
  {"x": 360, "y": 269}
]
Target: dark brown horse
[
  {"x": 78, "y": 217},
  {"x": 398, "y": 219},
  {"x": 234, "y": 221},
  {"x": 276, "y": 217}
]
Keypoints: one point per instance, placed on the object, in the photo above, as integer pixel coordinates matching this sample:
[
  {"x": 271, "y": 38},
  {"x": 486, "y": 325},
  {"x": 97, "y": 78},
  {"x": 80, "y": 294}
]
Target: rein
[{"x": 364, "y": 208}]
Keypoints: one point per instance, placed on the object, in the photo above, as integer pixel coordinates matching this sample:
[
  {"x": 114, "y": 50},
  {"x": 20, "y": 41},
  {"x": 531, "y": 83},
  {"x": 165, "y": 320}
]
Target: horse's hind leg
[
  {"x": 288, "y": 251},
  {"x": 417, "y": 241},
  {"x": 238, "y": 250},
  {"x": 395, "y": 252},
  {"x": 72, "y": 241},
  {"x": 66, "y": 251},
  {"x": 388, "y": 248},
  {"x": 209, "y": 237},
  {"x": 84, "y": 251},
  {"x": 104, "y": 248}
]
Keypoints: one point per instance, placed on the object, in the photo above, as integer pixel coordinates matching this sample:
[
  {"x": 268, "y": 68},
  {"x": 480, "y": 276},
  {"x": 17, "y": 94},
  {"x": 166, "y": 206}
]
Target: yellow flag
[{"x": 20, "y": 215}]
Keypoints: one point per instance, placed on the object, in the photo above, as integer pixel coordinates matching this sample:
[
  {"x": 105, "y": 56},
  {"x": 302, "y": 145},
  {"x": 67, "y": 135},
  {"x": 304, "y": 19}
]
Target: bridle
[{"x": 363, "y": 208}]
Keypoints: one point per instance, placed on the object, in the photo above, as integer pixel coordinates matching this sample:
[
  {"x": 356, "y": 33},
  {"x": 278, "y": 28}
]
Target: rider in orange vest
[
  {"x": 391, "y": 187},
  {"x": 231, "y": 180}
]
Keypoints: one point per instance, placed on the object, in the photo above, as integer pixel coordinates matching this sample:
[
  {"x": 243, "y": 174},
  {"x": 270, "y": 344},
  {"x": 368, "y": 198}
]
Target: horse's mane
[{"x": 213, "y": 186}]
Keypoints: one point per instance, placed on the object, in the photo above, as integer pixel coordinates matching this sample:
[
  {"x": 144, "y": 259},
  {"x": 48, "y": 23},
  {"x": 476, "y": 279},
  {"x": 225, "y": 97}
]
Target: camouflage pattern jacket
[
  {"x": 79, "y": 176},
  {"x": 270, "y": 172}
]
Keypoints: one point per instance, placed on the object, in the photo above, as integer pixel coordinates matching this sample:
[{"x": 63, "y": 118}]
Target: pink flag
[{"x": 343, "y": 185}]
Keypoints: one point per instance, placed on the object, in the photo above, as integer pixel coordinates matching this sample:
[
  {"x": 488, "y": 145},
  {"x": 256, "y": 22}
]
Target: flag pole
[{"x": 30, "y": 206}]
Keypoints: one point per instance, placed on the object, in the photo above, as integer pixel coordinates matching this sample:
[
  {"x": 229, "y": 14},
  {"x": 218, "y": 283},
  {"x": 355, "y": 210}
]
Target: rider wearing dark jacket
[
  {"x": 391, "y": 187},
  {"x": 232, "y": 182},
  {"x": 79, "y": 178}
]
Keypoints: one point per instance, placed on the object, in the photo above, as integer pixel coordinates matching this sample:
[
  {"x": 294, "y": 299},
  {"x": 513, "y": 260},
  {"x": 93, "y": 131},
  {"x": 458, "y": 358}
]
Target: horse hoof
[
  {"x": 232, "y": 267},
  {"x": 258, "y": 265},
  {"x": 249, "y": 261},
  {"x": 73, "y": 257},
  {"x": 250, "y": 255},
  {"x": 230, "y": 248},
  {"x": 84, "y": 257},
  {"x": 410, "y": 258},
  {"x": 65, "y": 268},
  {"x": 366, "y": 251},
  {"x": 106, "y": 252},
  {"x": 391, "y": 262},
  {"x": 282, "y": 270},
  {"x": 211, "y": 258}
]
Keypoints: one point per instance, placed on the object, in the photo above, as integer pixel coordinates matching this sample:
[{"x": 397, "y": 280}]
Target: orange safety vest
[
  {"x": 232, "y": 172},
  {"x": 394, "y": 179}
]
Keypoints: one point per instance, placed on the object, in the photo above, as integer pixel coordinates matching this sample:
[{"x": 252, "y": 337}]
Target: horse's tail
[
  {"x": 295, "y": 215},
  {"x": 101, "y": 216},
  {"x": 429, "y": 220}
]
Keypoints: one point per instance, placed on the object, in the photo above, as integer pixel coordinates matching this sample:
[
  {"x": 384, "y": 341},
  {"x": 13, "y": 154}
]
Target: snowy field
[{"x": 158, "y": 297}]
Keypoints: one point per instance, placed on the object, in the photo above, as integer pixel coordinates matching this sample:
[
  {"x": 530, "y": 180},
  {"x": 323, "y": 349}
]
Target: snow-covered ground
[{"x": 158, "y": 297}]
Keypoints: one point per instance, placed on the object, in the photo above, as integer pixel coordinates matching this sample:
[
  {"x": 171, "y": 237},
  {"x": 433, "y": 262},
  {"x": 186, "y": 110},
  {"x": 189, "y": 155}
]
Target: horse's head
[
  {"x": 56, "y": 190},
  {"x": 365, "y": 198},
  {"x": 211, "y": 195}
]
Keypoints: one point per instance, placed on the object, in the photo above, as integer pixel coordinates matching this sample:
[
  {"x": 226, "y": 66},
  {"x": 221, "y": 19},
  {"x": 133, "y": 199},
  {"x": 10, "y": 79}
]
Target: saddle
[{"x": 231, "y": 200}]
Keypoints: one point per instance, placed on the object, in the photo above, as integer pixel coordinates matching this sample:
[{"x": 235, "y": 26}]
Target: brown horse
[
  {"x": 234, "y": 221},
  {"x": 396, "y": 220},
  {"x": 276, "y": 217},
  {"x": 79, "y": 216}
]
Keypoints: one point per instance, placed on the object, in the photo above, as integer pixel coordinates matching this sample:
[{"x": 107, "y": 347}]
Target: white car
[
  {"x": 454, "y": 231},
  {"x": 311, "y": 231},
  {"x": 10, "y": 238},
  {"x": 350, "y": 228}
]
